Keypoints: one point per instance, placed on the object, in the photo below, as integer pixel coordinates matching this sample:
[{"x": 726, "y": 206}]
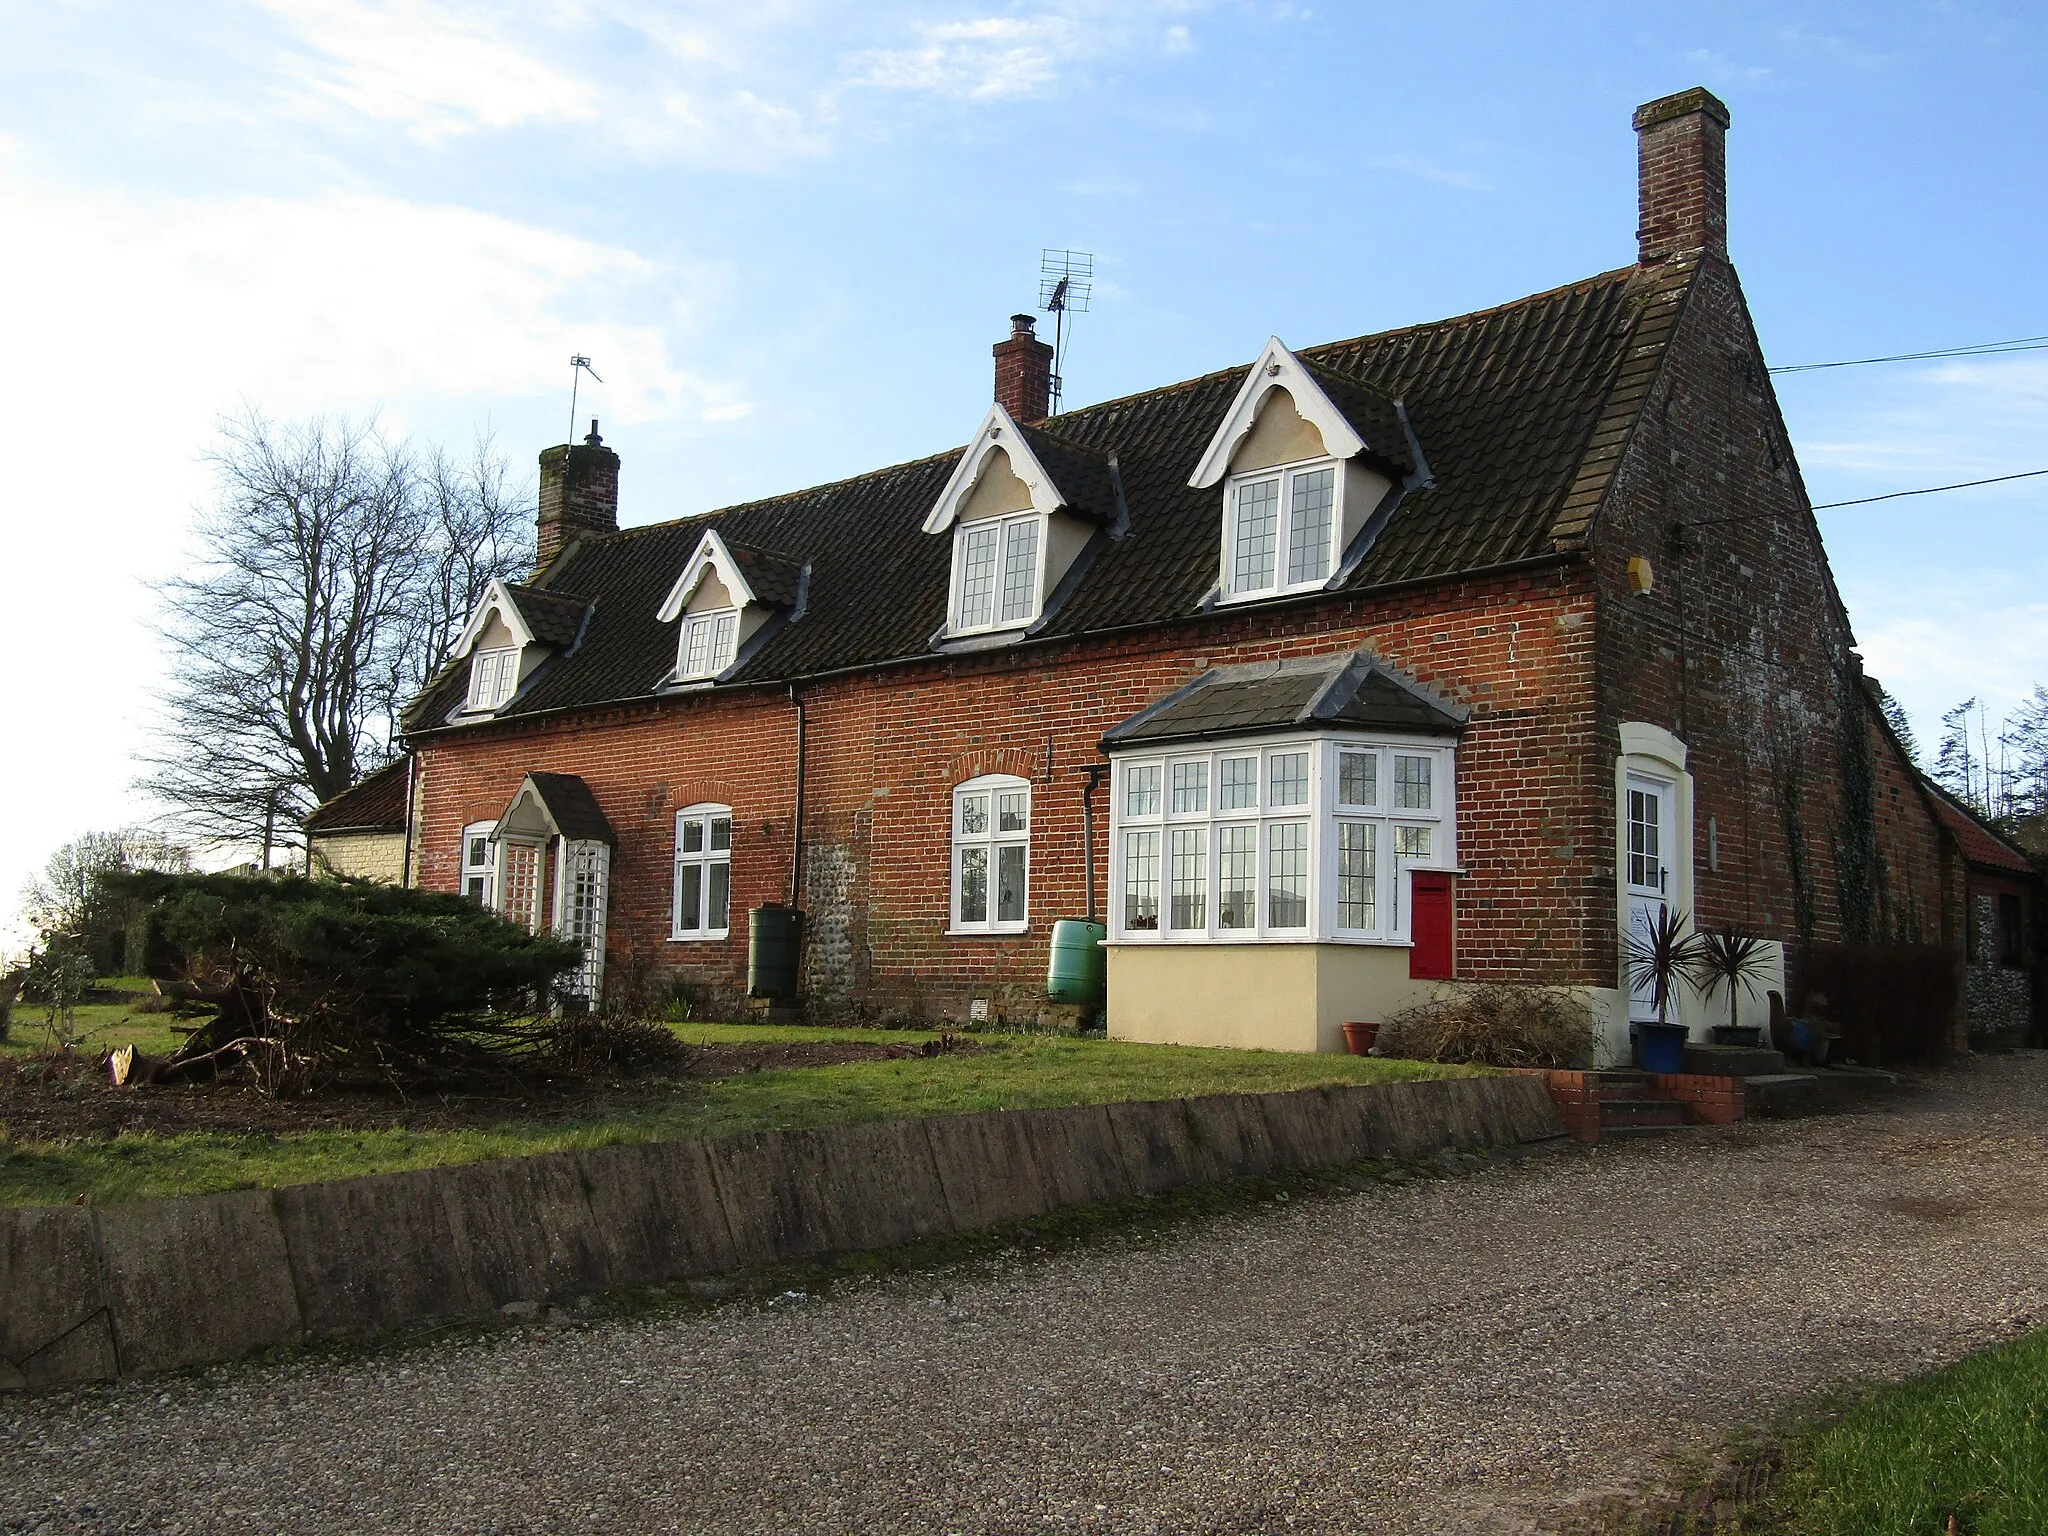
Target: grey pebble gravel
[{"x": 1479, "y": 1354}]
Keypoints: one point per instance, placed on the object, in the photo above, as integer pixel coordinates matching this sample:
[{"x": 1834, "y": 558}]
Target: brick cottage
[{"x": 1429, "y": 658}]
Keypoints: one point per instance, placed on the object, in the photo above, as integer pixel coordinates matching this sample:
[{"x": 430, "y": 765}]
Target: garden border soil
[{"x": 93, "y": 1293}]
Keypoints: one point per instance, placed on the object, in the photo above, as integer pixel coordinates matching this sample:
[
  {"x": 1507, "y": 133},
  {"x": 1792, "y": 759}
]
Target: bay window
[
  {"x": 1288, "y": 838},
  {"x": 991, "y": 855}
]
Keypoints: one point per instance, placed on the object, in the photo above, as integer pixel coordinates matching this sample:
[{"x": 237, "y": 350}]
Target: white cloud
[
  {"x": 992, "y": 56},
  {"x": 434, "y": 69},
  {"x": 151, "y": 317}
]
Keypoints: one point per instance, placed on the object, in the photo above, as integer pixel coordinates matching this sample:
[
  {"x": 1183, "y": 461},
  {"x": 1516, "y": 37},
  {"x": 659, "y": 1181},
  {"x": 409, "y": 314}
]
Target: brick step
[
  {"x": 1621, "y": 1085},
  {"x": 1616, "y": 1113}
]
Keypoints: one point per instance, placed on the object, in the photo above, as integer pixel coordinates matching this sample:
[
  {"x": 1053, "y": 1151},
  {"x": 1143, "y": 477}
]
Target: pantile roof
[
  {"x": 1520, "y": 413},
  {"x": 374, "y": 804},
  {"x": 1981, "y": 846},
  {"x": 1356, "y": 690}
]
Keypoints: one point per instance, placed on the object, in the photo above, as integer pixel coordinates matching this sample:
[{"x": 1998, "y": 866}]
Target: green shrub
[
  {"x": 311, "y": 978},
  {"x": 1494, "y": 1026}
]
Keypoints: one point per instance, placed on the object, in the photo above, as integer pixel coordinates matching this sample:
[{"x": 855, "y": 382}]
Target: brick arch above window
[{"x": 1017, "y": 762}]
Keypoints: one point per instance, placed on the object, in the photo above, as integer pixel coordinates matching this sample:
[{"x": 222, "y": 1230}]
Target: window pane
[
  {"x": 1288, "y": 778},
  {"x": 689, "y": 898},
  {"x": 474, "y": 889},
  {"x": 973, "y": 885},
  {"x": 1240, "y": 787},
  {"x": 1190, "y": 788},
  {"x": 1411, "y": 783},
  {"x": 974, "y": 815},
  {"x": 721, "y": 833},
  {"x": 1141, "y": 881},
  {"x": 693, "y": 835},
  {"x": 479, "y": 852},
  {"x": 696, "y": 646},
  {"x": 1141, "y": 791},
  {"x": 1358, "y": 778},
  {"x": 1411, "y": 842},
  {"x": 1258, "y": 529},
  {"x": 1237, "y": 876},
  {"x": 1190, "y": 877},
  {"x": 1308, "y": 525},
  {"x": 1010, "y": 884},
  {"x": 725, "y": 630},
  {"x": 718, "y": 912},
  {"x": 1287, "y": 875},
  {"x": 977, "y": 577},
  {"x": 1020, "y": 570},
  {"x": 1012, "y": 812},
  {"x": 1357, "y": 861}
]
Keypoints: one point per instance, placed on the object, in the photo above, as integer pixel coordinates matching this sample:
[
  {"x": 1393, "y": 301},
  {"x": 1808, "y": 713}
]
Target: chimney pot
[
  {"x": 1024, "y": 371},
  {"x": 579, "y": 494},
  {"x": 1682, "y": 176}
]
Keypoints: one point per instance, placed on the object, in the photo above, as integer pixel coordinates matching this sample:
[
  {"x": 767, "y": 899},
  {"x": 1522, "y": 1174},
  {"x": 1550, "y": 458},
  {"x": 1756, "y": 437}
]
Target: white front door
[{"x": 1646, "y": 869}]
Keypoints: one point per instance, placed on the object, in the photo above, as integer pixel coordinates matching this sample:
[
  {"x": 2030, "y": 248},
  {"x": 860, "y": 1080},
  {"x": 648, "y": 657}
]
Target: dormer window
[
  {"x": 996, "y": 575},
  {"x": 1017, "y": 531},
  {"x": 493, "y": 677},
  {"x": 726, "y": 598},
  {"x": 1300, "y": 480},
  {"x": 709, "y": 640},
  {"x": 1283, "y": 528}
]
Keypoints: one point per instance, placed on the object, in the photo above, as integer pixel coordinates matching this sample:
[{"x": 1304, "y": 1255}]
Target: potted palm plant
[
  {"x": 1663, "y": 956},
  {"x": 1724, "y": 960}
]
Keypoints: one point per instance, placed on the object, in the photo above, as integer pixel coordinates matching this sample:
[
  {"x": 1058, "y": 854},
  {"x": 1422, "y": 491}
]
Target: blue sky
[{"x": 789, "y": 232}]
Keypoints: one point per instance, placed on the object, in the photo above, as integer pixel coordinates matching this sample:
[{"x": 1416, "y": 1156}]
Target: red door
[{"x": 1429, "y": 925}]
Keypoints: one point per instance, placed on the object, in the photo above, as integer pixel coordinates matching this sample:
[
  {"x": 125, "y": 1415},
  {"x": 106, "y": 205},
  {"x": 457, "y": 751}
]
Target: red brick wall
[
  {"x": 885, "y": 749},
  {"x": 1742, "y": 650}
]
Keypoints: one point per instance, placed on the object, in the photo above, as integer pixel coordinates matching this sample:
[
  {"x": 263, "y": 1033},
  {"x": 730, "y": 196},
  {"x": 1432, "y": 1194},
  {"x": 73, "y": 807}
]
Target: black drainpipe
[
  {"x": 1095, "y": 771},
  {"x": 796, "y": 827},
  {"x": 412, "y": 770}
]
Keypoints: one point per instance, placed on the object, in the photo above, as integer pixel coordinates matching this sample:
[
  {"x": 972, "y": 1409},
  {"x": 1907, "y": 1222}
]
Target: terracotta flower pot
[{"x": 1358, "y": 1038}]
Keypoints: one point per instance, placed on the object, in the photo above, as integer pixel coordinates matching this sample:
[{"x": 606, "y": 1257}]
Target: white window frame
[
  {"x": 955, "y": 624},
  {"x": 717, "y": 660},
  {"x": 484, "y": 871},
  {"x": 1285, "y": 474},
  {"x": 991, "y": 840},
  {"x": 1322, "y": 810},
  {"x": 705, "y": 858},
  {"x": 500, "y": 665}
]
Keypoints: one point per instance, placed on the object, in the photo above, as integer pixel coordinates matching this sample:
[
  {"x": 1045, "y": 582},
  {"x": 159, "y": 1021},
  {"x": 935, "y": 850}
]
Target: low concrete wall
[{"x": 92, "y": 1294}]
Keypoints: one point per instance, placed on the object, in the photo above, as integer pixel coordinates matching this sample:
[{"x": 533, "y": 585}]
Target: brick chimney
[
  {"x": 1024, "y": 371},
  {"x": 1682, "y": 176},
  {"x": 579, "y": 493}
]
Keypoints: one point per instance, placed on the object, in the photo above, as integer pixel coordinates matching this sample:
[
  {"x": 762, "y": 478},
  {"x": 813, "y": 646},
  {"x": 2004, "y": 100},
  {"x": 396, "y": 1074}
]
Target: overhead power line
[
  {"x": 1929, "y": 490},
  {"x": 1981, "y": 349}
]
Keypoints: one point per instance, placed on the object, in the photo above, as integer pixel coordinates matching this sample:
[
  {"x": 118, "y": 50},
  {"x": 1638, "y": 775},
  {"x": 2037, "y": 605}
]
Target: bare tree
[{"x": 337, "y": 568}]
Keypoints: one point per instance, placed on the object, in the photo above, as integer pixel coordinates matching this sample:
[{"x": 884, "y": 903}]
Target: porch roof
[{"x": 1353, "y": 690}]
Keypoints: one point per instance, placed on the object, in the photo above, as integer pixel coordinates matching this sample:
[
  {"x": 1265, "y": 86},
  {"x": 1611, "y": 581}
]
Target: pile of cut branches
[{"x": 310, "y": 981}]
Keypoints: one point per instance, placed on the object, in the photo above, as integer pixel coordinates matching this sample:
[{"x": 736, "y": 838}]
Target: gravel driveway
[{"x": 1475, "y": 1354}]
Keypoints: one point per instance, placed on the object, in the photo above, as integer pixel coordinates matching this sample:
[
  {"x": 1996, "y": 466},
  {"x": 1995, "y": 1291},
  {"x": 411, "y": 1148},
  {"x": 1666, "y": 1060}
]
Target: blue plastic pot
[{"x": 1660, "y": 1047}]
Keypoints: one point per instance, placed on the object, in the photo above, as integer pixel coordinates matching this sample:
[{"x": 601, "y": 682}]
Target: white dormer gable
[
  {"x": 501, "y": 650},
  {"x": 1277, "y": 368},
  {"x": 997, "y": 454},
  {"x": 712, "y": 559}
]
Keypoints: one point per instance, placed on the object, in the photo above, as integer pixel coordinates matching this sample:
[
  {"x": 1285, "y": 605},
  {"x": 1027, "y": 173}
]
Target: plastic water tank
[
  {"x": 774, "y": 946},
  {"x": 1075, "y": 973}
]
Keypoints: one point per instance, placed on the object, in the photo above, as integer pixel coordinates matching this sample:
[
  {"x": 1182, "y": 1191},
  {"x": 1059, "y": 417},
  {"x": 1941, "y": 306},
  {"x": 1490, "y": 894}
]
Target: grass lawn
[
  {"x": 1011, "y": 1072},
  {"x": 1970, "y": 1441},
  {"x": 96, "y": 1026}
]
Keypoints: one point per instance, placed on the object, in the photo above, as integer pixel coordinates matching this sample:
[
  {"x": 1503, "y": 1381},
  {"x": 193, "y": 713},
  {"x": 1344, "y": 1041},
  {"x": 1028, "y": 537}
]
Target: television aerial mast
[
  {"x": 1065, "y": 282},
  {"x": 578, "y": 366}
]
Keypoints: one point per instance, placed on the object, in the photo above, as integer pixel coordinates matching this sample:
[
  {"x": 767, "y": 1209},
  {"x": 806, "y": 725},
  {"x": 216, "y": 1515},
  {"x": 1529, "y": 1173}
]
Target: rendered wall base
[
  {"x": 1267, "y": 997},
  {"x": 95, "y": 1293}
]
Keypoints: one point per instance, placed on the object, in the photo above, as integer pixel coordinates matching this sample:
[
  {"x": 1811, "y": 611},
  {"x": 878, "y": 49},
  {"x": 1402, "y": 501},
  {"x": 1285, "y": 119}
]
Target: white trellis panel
[{"x": 584, "y": 892}]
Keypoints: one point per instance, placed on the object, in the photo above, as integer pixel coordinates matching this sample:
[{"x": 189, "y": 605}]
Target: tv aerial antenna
[
  {"x": 578, "y": 366},
  {"x": 1066, "y": 280}
]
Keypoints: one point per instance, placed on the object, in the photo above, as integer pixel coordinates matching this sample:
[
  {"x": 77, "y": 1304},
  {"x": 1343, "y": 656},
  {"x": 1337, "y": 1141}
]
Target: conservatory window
[
  {"x": 1282, "y": 529},
  {"x": 1291, "y": 840},
  {"x": 991, "y": 855},
  {"x": 702, "y": 893}
]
